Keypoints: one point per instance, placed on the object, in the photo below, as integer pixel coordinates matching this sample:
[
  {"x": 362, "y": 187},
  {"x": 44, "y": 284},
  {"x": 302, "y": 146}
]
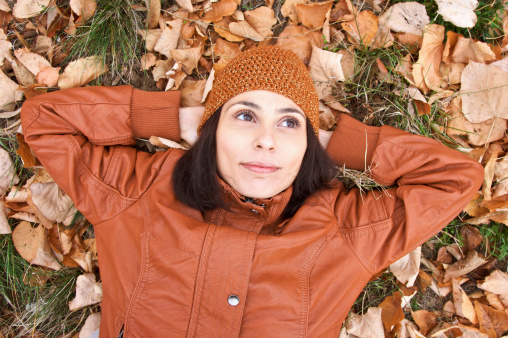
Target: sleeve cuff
[
  {"x": 353, "y": 143},
  {"x": 155, "y": 114}
]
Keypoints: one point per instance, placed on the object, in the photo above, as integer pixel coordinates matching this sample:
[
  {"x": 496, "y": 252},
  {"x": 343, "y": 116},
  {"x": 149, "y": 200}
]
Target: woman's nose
[{"x": 265, "y": 139}]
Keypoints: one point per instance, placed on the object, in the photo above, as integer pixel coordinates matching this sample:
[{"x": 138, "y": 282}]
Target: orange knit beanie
[{"x": 266, "y": 68}]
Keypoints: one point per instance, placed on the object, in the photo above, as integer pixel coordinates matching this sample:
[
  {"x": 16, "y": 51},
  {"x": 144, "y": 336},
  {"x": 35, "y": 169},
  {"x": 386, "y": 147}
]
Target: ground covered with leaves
[{"x": 434, "y": 68}]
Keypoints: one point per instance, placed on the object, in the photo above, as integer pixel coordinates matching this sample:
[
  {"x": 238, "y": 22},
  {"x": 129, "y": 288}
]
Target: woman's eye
[
  {"x": 245, "y": 116},
  {"x": 290, "y": 123}
]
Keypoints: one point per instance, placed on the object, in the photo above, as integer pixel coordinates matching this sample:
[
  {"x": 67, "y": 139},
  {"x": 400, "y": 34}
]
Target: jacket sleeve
[
  {"x": 82, "y": 137},
  {"x": 429, "y": 184}
]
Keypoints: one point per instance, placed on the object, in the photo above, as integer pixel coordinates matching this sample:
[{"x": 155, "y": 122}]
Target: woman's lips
[{"x": 260, "y": 167}]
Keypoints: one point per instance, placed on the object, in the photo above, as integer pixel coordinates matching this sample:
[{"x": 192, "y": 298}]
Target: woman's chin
[{"x": 260, "y": 190}]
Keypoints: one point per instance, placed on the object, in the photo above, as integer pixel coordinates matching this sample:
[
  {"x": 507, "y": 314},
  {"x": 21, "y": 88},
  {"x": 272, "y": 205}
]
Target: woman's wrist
[{"x": 189, "y": 121}]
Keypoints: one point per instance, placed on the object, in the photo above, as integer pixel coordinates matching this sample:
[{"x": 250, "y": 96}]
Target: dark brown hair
[{"x": 195, "y": 175}]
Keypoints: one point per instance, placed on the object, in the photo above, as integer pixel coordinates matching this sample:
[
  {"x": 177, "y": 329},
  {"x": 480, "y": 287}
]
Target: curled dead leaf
[
  {"x": 80, "y": 72},
  {"x": 426, "y": 70},
  {"x": 497, "y": 283},
  {"x": 151, "y": 36},
  {"x": 243, "y": 29},
  {"x": 463, "y": 305},
  {"x": 153, "y": 14},
  {"x": 32, "y": 244},
  {"x": 24, "y": 9},
  {"x": 9, "y": 92},
  {"x": 8, "y": 174},
  {"x": 459, "y": 12},
  {"x": 406, "y": 269},
  {"x": 88, "y": 292},
  {"x": 5, "y": 228},
  {"x": 472, "y": 261},
  {"x": 188, "y": 57},
  {"x": 84, "y": 8},
  {"x": 313, "y": 15},
  {"x": 406, "y": 17},
  {"x": 169, "y": 38},
  {"x": 368, "y": 325},
  {"x": 261, "y": 19},
  {"x": 467, "y": 50},
  {"x": 148, "y": 60},
  {"x": 52, "y": 202},
  {"x": 5, "y": 46},
  {"x": 220, "y": 10}
]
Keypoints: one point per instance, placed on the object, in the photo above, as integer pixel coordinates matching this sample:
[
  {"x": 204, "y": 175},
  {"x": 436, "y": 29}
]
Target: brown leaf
[
  {"x": 326, "y": 117},
  {"x": 84, "y": 8},
  {"x": 220, "y": 10},
  {"x": 497, "y": 282},
  {"x": 472, "y": 261},
  {"x": 472, "y": 237},
  {"x": 154, "y": 12},
  {"x": 80, "y": 72},
  {"x": 467, "y": 50},
  {"x": 9, "y": 92},
  {"x": 32, "y": 244},
  {"x": 92, "y": 324},
  {"x": 162, "y": 67},
  {"x": 52, "y": 202},
  {"x": 169, "y": 38},
  {"x": 494, "y": 301},
  {"x": 368, "y": 325},
  {"x": 5, "y": 46},
  {"x": 342, "y": 11},
  {"x": 489, "y": 176},
  {"x": 23, "y": 75},
  {"x": 8, "y": 175},
  {"x": 151, "y": 36},
  {"x": 186, "y": 4},
  {"x": 426, "y": 69},
  {"x": 261, "y": 19},
  {"x": 313, "y": 15},
  {"x": 463, "y": 305},
  {"x": 484, "y": 89},
  {"x": 300, "y": 40},
  {"x": 363, "y": 29},
  {"x": 24, "y": 151},
  {"x": 188, "y": 57},
  {"x": 4, "y": 6},
  {"x": 191, "y": 93},
  {"x": 243, "y": 29},
  {"x": 289, "y": 9},
  {"x": 443, "y": 256},
  {"x": 325, "y": 70},
  {"x": 222, "y": 28},
  {"x": 492, "y": 322},
  {"x": 48, "y": 75},
  {"x": 425, "y": 320},
  {"x": 148, "y": 60},
  {"x": 406, "y": 269},
  {"x": 459, "y": 12},
  {"x": 24, "y": 9},
  {"x": 452, "y": 72},
  {"x": 88, "y": 292},
  {"x": 392, "y": 311},
  {"x": 5, "y": 228},
  {"x": 405, "y": 17}
]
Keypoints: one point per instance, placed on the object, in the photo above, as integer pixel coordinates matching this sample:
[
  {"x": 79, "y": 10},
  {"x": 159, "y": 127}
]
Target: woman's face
[{"x": 261, "y": 140}]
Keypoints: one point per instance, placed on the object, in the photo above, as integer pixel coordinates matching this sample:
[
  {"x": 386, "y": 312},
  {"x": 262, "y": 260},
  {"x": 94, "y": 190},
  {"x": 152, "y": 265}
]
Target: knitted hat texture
[{"x": 266, "y": 68}]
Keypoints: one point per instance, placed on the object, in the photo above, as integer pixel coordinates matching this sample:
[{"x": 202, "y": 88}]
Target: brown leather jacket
[{"x": 169, "y": 270}]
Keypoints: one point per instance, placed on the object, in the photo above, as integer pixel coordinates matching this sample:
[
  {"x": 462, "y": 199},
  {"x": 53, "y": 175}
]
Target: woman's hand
[
  {"x": 190, "y": 119},
  {"x": 324, "y": 137}
]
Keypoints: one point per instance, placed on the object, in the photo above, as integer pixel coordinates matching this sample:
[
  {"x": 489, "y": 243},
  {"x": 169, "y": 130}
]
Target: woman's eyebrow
[
  {"x": 248, "y": 104},
  {"x": 289, "y": 110},
  {"x": 278, "y": 111}
]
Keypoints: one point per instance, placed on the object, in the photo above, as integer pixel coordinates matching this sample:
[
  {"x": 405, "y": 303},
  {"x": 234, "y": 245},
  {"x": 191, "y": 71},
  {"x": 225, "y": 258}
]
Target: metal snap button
[{"x": 233, "y": 300}]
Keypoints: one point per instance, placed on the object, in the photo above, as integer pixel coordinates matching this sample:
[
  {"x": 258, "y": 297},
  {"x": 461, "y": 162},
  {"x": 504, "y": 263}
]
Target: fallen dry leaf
[
  {"x": 472, "y": 261},
  {"x": 5, "y": 228},
  {"x": 492, "y": 321},
  {"x": 151, "y": 37},
  {"x": 84, "y": 8},
  {"x": 188, "y": 58},
  {"x": 48, "y": 75},
  {"x": 169, "y": 38},
  {"x": 484, "y": 90},
  {"x": 243, "y": 29},
  {"x": 80, "y": 72},
  {"x": 148, "y": 60},
  {"x": 153, "y": 13},
  {"x": 494, "y": 301},
  {"x": 463, "y": 305},
  {"x": 363, "y": 29},
  {"x": 222, "y": 28},
  {"x": 24, "y": 9},
  {"x": 406, "y": 17},
  {"x": 497, "y": 282},
  {"x": 325, "y": 70},
  {"x": 92, "y": 324},
  {"x": 300, "y": 40},
  {"x": 32, "y": 244},
  {"x": 88, "y": 292},
  {"x": 220, "y": 10},
  {"x": 459, "y": 12},
  {"x": 162, "y": 67},
  {"x": 289, "y": 9},
  {"x": 165, "y": 143},
  {"x": 8, "y": 174},
  {"x": 489, "y": 175},
  {"x": 392, "y": 311},
  {"x": 425, "y": 320},
  {"x": 9, "y": 92},
  {"x": 5, "y": 46},
  {"x": 426, "y": 70},
  {"x": 192, "y": 92},
  {"x": 452, "y": 72},
  {"x": 52, "y": 202},
  {"x": 501, "y": 64},
  {"x": 261, "y": 19},
  {"x": 185, "y": 4},
  {"x": 406, "y": 269},
  {"x": 313, "y": 15},
  {"x": 467, "y": 50},
  {"x": 4, "y": 6},
  {"x": 368, "y": 325}
]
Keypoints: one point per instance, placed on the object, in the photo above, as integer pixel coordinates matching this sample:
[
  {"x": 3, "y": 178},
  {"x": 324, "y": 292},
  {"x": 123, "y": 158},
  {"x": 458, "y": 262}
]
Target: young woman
[{"x": 246, "y": 233}]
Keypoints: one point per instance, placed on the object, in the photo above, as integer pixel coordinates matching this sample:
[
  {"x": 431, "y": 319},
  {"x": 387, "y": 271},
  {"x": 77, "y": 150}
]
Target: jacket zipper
[{"x": 120, "y": 335}]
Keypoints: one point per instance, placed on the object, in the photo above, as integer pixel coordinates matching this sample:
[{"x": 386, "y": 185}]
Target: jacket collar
[{"x": 260, "y": 215}]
